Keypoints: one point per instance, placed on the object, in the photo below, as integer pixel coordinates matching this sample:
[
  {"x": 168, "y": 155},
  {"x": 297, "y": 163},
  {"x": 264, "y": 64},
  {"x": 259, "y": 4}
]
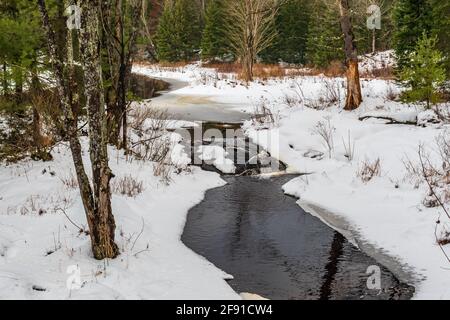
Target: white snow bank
[
  {"x": 379, "y": 60},
  {"x": 387, "y": 211},
  {"x": 218, "y": 157},
  {"x": 38, "y": 243}
]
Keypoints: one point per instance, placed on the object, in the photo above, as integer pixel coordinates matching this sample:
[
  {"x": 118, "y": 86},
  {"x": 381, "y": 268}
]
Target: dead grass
[
  {"x": 325, "y": 130},
  {"x": 263, "y": 116},
  {"x": 369, "y": 170},
  {"x": 385, "y": 73},
  {"x": 334, "y": 70},
  {"x": 391, "y": 95},
  {"x": 70, "y": 182},
  {"x": 260, "y": 71},
  {"x": 434, "y": 171},
  {"x": 127, "y": 186},
  {"x": 444, "y": 239}
]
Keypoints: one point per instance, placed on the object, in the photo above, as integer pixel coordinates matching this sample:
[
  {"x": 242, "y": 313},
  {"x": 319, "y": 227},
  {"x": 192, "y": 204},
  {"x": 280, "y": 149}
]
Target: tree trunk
[
  {"x": 354, "y": 96},
  {"x": 121, "y": 50},
  {"x": 5, "y": 79},
  {"x": 96, "y": 204},
  {"x": 248, "y": 68},
  {"x": 18, "y": 84},
  {"x": 37, "y": 135},
  {"x": 104, "y": 226},
  {"x": 374, "y": 41}
]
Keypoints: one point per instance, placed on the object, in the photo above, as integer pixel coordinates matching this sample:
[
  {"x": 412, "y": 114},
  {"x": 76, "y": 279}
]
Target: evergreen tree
[
  {"x": 378, "y": 39},
  {"x": 412, "y": 18},
  {"x": 19, "y": 42},
  {"x": 441, "y": 28},
  {"x": 214, "y": 40},
  {"x": 178, "y": 35},
  {"x": 292, "y": 26},
  {"x": 424, "y": 73},
  {"x": 324, "y": 42}
]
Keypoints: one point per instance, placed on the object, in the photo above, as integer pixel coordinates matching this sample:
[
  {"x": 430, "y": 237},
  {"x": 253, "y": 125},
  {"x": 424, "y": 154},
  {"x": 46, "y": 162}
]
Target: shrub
[
  {"x": 425, "y": 74},
  {"x": 369, "y": 170}
]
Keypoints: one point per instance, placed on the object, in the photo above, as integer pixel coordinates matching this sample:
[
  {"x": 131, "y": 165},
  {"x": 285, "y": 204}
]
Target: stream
[{"x": 250, "y": 229}]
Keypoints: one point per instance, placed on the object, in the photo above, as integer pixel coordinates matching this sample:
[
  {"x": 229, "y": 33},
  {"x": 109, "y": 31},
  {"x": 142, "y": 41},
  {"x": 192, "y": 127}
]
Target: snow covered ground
[
  {"x": 39, "y": 244},
  {"x": 385, "y": 215}
]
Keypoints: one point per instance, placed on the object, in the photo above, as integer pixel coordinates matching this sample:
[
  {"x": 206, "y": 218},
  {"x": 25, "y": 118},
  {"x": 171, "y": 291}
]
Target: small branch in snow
[
  {"x": 81, "y": 230},
  {"x": 139, "y": 235},
  {"x": 390, "y": 119}
]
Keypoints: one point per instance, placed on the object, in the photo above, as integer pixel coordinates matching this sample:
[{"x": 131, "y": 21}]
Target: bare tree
[
  {"x": 354, "y": 96},
  {"x": 149, "y": 18},
  {"x": 96, "y": 199},
  {"x": 251, "y": 30},
  {"x": 120, "y": 37}
]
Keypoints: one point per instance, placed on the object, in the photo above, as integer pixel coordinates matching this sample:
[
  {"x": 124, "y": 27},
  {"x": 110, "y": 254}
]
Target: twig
[
  {"x": 425, "y": 175},
  {"x": 70, "y": 220},
  {"x": 438, "y": 242},
  {"x": 139, "y": 235}
]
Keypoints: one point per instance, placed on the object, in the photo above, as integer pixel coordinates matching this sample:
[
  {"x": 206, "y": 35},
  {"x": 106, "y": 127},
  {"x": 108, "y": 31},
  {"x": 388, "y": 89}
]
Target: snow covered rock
[{"x": 218, "y": 157}]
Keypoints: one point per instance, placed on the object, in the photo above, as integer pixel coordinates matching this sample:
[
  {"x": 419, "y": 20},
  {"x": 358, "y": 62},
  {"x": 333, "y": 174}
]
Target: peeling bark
[
  {"x": 354, "y": 96},
  {"x": 104, "y": 226}
]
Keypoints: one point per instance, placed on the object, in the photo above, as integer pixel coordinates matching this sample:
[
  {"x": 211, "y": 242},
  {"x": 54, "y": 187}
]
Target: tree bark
[
  {"x": 354, "y": 96},
  {"x": 104, "y": 224},
  {"x": 18, "y": 84},
  {"x": 96, "y": 203},
  {"x": 374, "y": 41},
  {"x": 5, "y": 79},
  {"x": 121, "y": 47}
]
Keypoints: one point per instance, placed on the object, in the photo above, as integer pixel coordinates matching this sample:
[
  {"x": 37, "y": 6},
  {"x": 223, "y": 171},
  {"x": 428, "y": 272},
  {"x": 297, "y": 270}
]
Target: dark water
[
  {"x": 251, "y": 230},
  {"x": 144, "y": 87}
]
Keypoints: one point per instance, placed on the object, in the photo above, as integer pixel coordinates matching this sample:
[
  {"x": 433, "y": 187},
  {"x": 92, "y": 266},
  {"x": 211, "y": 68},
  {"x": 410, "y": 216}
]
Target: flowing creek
[{"x": 250, "y": 229}]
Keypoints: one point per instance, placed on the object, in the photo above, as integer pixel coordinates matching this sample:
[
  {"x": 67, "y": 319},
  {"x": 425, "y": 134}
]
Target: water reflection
[{"x": 250, "y": 229}]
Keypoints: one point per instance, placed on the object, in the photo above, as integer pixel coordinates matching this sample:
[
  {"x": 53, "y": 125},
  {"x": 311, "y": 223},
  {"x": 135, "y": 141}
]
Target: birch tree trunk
[
  {"x": 354, "y": 97},
  {"x": 97, "y": 202},
  {"x": 103, "y": 224}
]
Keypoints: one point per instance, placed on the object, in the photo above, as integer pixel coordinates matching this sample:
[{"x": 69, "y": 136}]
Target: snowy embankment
[
  {"x": 386, "y": 215},
  {"x": 38, "y": 242}
]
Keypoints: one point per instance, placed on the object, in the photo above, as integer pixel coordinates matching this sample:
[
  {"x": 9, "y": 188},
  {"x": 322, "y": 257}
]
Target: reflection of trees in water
[{"x": 331, "y": 269}]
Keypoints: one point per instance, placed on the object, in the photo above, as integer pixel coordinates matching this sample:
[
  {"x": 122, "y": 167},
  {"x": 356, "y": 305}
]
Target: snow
[
  {"x": 386, "y": 213},
  {"x": 218, "y": 157},
  {"x": 378, "y": 60},
  {"x": 38, "y": 243}
]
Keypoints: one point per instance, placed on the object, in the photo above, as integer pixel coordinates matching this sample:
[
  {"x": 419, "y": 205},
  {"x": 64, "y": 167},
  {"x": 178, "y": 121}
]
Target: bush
[
  {"x": 369, "y": 170},
  {"x": 127, "y": 186},
  {"x": 425, "y": 74}
]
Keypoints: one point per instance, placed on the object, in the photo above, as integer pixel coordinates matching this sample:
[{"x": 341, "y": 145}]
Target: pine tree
[
  {"x": 178, "y": 35},
  {"x": 370, "y": 41},
  {"x": 292, "y": 26},
  {"x": 411, "y": 18},
  {"x": 424, "y": 73},
  {"x": 441, "y": 28},
  {"x": 214, "y": 40},
  {"x": 20, "y": 41},
  {"x": 324, "y": 42}
]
